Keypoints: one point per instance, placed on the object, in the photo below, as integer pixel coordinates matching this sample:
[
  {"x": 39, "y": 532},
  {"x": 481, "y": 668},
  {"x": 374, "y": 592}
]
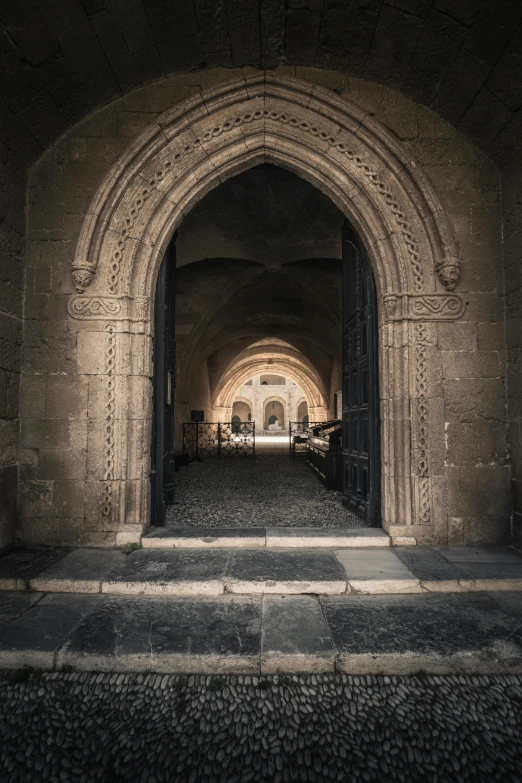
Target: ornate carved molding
[
  {"x": 110, "y": 404},
  {"x": 423, "y": 307},
  {"x": 95, "y": 308},
  {"x": 296, "y": 94}
]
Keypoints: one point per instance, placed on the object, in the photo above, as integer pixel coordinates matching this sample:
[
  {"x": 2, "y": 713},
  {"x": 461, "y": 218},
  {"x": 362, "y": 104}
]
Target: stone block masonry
[
  {"x": 442, "y": 359},
  {"x": 13, "y": 183}
]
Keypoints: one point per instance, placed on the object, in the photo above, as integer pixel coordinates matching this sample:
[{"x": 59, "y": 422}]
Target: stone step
[
  {"x": 278, "y": 537},
  {"x": 213, "y": 572},
  {"x": 478, "y": 633}
]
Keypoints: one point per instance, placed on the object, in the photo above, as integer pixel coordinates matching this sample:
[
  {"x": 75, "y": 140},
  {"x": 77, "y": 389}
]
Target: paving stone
[
  {"x": 168, "y": 635},
  {"x": 436, "y": 633},
  {"x": 179, "y": 537},
  {"x": 80, "y": 571},
  {"x": 270, "y": 571},
  {"x": 305, "y": 537},
  {"x": 372, "y": 564},
  {"x": 19, "y": 566},
  {"x": 491, "y": 576},
  {"x": 509, "y": 602},
  {"x": 427, "y": 564},
  {"x": 169, "y": 572},
  {"x": 480, "y": 554},
  {"x": 15, "y": 603},
  {"x": 295, "y": 636},
  {"x": 34, "y": 637}
]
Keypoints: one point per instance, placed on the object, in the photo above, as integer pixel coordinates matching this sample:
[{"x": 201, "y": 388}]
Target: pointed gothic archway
[{"x": 349, "y": 157}]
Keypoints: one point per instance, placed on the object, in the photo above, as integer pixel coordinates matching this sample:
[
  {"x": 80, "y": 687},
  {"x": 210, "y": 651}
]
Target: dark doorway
[
  {"x": 164, "y": 346},
  {"x": 360, "y": 398}
]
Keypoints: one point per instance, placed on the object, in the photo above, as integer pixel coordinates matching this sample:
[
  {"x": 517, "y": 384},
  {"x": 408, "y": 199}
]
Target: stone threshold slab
[
  {"x": 402, "y": 634},
  {"x": 277, "y": 537}
]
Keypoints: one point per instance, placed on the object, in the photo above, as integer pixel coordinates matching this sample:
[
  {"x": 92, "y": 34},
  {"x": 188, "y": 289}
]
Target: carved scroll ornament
[
  {"x": 94, "y": 308},
  {"x": 423, "y": 307}
]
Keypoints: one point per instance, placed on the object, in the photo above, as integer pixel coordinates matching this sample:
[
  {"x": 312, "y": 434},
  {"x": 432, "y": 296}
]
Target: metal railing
[
  {"x": 298, "y": 435},
  {"x": 219, "y": 439}
]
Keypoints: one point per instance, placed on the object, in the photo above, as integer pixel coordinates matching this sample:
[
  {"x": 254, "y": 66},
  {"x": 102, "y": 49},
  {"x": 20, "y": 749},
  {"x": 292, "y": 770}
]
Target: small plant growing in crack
[
  {"x": 128, "y": 549},
  {"x": 19, "y": 676},
  {"x": 216, "y": 683}
]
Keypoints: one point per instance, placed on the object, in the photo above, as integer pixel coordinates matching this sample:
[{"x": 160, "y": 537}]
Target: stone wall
[
  {"x": 463, "y": 360},
  {"x": 512, "y": 203},
  {"x": 12, "y": 230},
  {"x": 460, "y": 59}
]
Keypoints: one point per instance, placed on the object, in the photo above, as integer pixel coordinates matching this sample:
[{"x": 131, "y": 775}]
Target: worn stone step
[
  {"x": 401, "y": 634},
  {"x": 264, "y": 570},
  {"x": 278, "y": 537}
]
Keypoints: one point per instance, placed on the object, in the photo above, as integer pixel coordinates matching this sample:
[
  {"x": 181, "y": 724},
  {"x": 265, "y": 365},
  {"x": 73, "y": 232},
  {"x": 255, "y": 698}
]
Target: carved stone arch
[
  {"x": 284, "y": 405},
  {"x": 238, "y": 398},
  {"x": 352, "y": 159},
  {"x": 275, "y": 398}
]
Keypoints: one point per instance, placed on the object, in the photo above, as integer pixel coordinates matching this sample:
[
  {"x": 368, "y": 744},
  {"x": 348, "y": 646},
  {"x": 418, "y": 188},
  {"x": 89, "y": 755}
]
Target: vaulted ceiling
[
  {"x": 61, "y": 59},
  {"x": 266, "y": 214},
  {"x": 259, "y": 258}
]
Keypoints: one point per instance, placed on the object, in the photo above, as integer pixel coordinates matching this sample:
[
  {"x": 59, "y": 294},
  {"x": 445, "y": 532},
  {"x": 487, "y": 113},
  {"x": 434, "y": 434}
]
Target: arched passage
[
  {"x": 242, "y": 408},
  {"x": 275, "y": 412},
  {"x": 302, "y": 410},
  {"x": 364, "y": 171}
]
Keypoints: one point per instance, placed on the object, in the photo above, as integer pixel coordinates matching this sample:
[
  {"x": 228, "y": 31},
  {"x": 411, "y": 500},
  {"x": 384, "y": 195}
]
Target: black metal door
[
  {"x": 162, "y": 453},
  {"x": 360, "y": 399}
]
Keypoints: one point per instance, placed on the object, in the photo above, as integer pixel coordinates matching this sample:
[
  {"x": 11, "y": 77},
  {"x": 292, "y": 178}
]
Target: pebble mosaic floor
[
  {"x": 267, "y": 491},
  {"x": 86, "y": 727}
]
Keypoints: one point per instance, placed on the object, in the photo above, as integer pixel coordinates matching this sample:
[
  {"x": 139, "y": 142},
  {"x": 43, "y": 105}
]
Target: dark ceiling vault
[{"x": 61, "y": 59}]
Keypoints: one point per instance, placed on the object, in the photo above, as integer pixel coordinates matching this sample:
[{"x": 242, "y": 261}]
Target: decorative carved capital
[
  {"x": 423, "y": 307},
  {"x": 141, "y": 308},
  {"x": 448, "y": 270},
  {"x": 82, "y": 277}
]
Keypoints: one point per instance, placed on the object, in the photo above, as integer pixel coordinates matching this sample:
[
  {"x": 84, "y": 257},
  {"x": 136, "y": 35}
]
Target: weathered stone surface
[
  {"x": 437, "y": 633},
  {"x": 19, "y": 566},
  {"x": 427, "y": 563},
  {"x": 168, "y": 635},
  {"x": 178, "y": 537},
  {"x": 34, "y": 638},
  {"x": 80, "y": 571},
  {"x": 372, "y": 564},
  {"x": 468, "y": 383},
  {"x": 13, "y": 604},
  {"x": 314, "y": 537},
  {"x": 268, "y": 571},
  {"x": 480, "y": 554},
  {"x": 152, "y": 572},
  {"x": 295, "y": 636}
]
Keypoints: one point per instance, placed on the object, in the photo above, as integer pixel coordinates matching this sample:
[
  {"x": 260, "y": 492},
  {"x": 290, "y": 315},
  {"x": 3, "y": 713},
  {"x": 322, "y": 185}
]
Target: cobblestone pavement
[
  {"x": 267, "y": 491},
  {"x": 150, "y": 728}
]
